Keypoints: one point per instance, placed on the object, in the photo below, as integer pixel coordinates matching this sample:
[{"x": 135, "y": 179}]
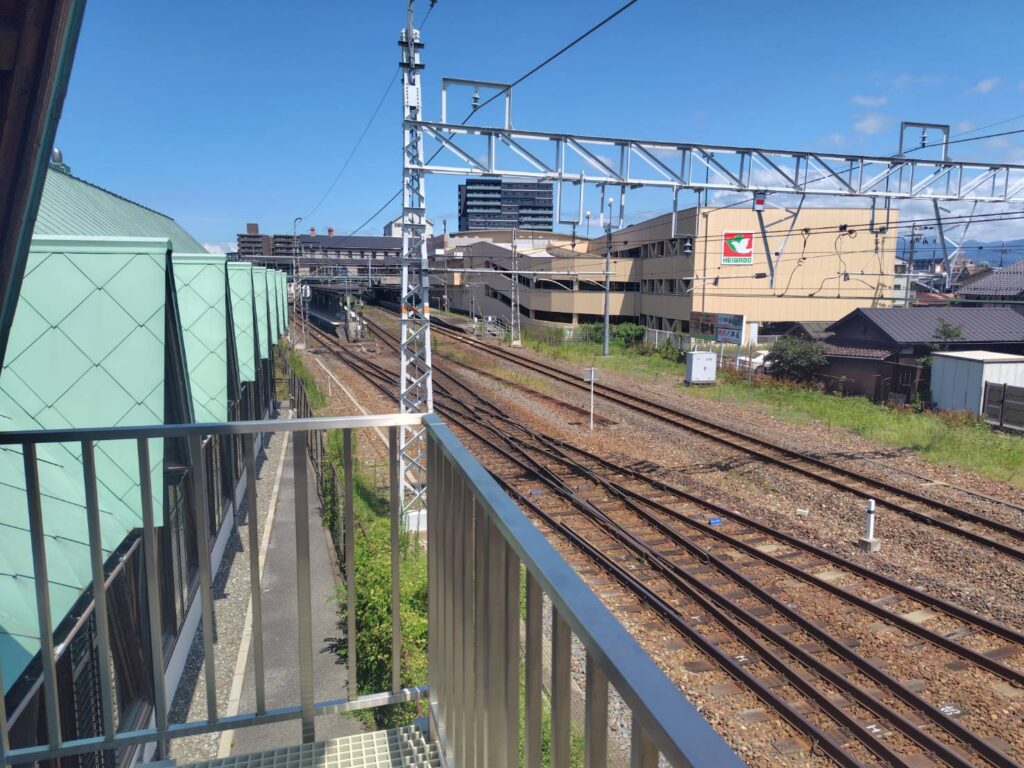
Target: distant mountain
[{"x": 993, "y": 253}]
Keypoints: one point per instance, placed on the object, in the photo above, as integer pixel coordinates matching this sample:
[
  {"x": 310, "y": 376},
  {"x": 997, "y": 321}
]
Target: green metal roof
[
  {"x": 72, "y": 207},
  {"x": 86, "y": 350},
  {"x": 200, "y": 282},
  {"x": 240, "y": 283},
  {"x": 259, "y": 283}
]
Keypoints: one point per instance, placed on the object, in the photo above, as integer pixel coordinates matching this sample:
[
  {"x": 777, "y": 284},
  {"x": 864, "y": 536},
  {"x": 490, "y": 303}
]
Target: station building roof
[{"x": 71, "y": 206}]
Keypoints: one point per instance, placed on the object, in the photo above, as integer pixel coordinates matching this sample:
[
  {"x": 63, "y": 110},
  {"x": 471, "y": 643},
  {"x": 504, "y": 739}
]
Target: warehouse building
[{"x": 827, "y": 263}]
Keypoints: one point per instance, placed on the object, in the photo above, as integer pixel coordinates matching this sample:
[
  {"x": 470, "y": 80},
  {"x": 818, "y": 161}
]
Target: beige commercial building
[{"x": 826, "y": 264}]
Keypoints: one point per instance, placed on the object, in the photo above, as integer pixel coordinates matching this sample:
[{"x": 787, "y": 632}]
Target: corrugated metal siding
[
  {"x": 72, "y": 207},
  {"x": 959, "y": 384},
  {"x": 87, "y": 350}
]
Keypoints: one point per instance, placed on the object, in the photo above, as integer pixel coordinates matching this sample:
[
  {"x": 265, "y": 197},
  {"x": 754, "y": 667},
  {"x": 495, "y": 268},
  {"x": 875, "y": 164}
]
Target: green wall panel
[
  {"x": 87, "y": 351},
  {"x": 201, "y": 288},
  {"x": 241, "y": 284},
  {"x": 259, "y": 284}
]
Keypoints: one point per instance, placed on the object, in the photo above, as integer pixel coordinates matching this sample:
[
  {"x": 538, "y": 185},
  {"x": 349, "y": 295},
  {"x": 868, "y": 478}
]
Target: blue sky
[{"x": 223, "y": 112}]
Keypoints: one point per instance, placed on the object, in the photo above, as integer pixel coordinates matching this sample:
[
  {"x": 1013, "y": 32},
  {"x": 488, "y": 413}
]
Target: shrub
[
  {"x": 794, "y": 358},
  {"x": 592, "y": 332},
  {"x": 629, "y": 334}
]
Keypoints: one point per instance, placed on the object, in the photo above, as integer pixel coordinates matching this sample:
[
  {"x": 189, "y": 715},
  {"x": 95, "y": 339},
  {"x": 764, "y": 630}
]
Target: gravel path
[{"x": 231, "y": 600}]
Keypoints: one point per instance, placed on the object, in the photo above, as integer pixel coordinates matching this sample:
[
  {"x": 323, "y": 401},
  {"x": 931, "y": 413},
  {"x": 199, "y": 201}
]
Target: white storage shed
[{"x": 959, "y": 378}]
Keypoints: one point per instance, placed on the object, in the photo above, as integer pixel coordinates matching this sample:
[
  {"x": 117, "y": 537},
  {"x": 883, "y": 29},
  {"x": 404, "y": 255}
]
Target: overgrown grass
[
  {"x": 313, "y": 393},
  {"x": 576, "y": 742},
  {"x": 634, "y": 360},
  {"x": 373, "y": 592},
  {"x": 954, "y": 438}
]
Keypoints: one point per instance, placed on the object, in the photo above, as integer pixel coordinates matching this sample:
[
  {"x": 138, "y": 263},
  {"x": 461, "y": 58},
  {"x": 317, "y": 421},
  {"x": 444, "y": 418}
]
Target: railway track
[
  {"x": 993, "y": 534},
  {"x": 631, "y": 526}
]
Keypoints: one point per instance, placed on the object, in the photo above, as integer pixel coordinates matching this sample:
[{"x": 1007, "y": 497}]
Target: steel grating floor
[{"x": 397, "y": 748}]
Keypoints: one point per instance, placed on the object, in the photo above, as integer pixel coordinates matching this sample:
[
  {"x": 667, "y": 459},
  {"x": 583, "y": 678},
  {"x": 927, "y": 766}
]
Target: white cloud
[
  {"x": 869, "y": 101},
  {"x": 985, "y": 86},
  {"x": 871, "y": 123},
  {"x": 965, "y": 126},
  {"x": 220, "y": 247},
  {"x": 988, "y": 228},
  {"x": 901, "y": 82},
  {"x": 836, "y": 139}
]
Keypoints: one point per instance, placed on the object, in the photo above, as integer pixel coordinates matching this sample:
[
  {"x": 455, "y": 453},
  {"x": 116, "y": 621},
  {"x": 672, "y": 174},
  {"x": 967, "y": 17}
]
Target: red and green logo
[{"x": 738, "y": 248}]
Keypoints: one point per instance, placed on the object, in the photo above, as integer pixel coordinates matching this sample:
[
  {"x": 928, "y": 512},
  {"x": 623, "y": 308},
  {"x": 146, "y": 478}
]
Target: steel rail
[
  {"x": 923, "y": 740},
  {"x": 763, "y": 450},
  {"x": 719, "y": 608},
  {"x": 952, "y": 609},
  {"x": 687, "y": 582}
]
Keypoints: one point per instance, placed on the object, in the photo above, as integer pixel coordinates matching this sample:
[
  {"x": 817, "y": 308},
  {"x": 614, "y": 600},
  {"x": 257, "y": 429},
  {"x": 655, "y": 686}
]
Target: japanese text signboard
[{"x": 717, "y": 326}]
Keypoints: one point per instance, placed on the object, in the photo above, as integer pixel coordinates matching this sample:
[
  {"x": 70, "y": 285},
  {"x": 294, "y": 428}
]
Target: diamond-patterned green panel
[
  {"x": 284, "y": 297},
  {"x": 259, "y": 287},
  {"x": 87, "y": 350},
  {"x": 240, "y": 282},
  {"x": 202, "y": 304},
  {"x": 275, "y": 311}
]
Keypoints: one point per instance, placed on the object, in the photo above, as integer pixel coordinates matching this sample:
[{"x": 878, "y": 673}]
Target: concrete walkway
[{"x": 280, "y": 627}]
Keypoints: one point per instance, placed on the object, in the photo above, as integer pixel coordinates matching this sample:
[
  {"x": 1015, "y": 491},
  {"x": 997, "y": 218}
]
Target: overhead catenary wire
[
  {"x": 519, "y": 80},
  {"x": 362, "y": 135}
]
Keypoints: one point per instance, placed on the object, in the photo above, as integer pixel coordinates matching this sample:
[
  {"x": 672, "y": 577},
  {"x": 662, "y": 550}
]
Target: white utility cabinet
[{"x": 701, "y": 367}]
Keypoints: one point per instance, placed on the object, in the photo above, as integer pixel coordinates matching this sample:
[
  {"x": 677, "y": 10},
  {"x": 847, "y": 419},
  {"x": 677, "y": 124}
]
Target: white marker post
[
  {"x": 590, "y": 375},
  {"x": 869, "y": 543}
]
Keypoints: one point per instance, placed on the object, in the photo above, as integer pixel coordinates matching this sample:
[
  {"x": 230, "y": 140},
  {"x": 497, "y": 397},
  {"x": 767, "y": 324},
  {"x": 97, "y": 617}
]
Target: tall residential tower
[{"x": 501, "y": 204}]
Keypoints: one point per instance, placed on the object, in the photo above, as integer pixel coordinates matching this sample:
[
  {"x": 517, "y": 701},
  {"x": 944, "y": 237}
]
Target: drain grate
[{"x": 396, "y": 748}]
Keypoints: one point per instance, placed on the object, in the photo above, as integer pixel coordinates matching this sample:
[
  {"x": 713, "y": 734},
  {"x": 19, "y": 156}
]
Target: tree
[
  {"x": 947, "y": 333},
  {"x": 792, "y": 357}
]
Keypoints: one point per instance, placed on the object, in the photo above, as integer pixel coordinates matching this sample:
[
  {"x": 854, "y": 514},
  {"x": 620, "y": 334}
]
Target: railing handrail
[
  {"x": 678, "y": 730},
  {"x": 37, "y": 436}
]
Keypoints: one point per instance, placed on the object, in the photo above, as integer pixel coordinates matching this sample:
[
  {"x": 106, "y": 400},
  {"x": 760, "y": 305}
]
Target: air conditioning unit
[{"x": 700, "y": 367}]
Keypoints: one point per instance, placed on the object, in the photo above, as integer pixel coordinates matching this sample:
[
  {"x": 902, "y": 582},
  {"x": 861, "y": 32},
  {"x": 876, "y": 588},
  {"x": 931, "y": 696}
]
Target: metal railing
[
  {"x": 478, "y": 540},
  {"x": 481, "y": 547}
]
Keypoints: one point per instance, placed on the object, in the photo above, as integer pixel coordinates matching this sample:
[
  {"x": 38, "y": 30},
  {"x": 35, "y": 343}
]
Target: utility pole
[
  {"x": 910, "y": 261},
  {"x": 514, "y": 333},
  {"x": 607, "y": 273},
  {"x": 415, "y": 391},
  {"x": 297, "y": 270}
]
